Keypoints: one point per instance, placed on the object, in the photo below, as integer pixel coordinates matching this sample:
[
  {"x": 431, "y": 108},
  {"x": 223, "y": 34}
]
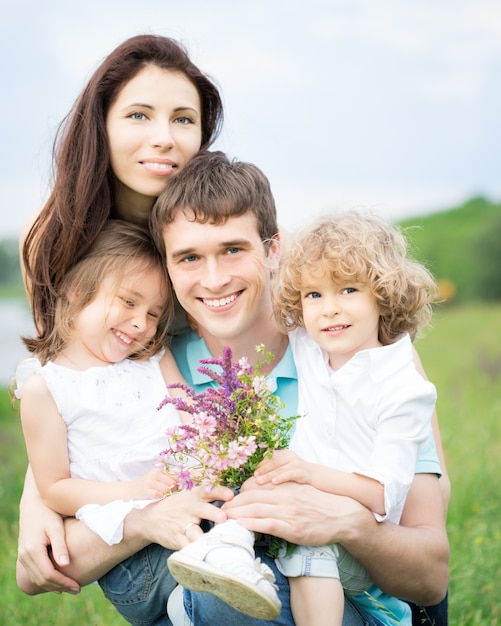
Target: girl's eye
[
  {"x": 126, "y": 301},
  {"x": 313, "y": 294},
  {"x": 349, "y": 290},
  {"x": 155, "y": 316}
]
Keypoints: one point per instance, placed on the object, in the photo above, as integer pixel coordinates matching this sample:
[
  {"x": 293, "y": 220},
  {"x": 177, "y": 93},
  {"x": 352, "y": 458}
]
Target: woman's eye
[
  {"x": 137, "y": 116},
  {"x": 184, "y": 120}
]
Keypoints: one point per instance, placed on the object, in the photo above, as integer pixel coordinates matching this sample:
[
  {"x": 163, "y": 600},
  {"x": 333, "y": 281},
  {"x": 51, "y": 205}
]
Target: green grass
[{"x": 462, "y": 356}]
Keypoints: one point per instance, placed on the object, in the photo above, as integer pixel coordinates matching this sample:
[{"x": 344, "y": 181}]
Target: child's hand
[
  {"x": 155, "y": 484},
  {"x": 284, "y": 466}
]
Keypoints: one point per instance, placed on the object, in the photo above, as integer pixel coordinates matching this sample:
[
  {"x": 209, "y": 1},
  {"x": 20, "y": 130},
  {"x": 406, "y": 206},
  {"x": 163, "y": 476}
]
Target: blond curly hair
[{"x": 365, "y": 249}]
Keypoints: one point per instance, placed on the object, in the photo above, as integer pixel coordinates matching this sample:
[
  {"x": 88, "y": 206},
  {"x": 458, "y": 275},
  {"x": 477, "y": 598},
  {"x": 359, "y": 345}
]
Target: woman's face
[{"x": 154, "y": 128}]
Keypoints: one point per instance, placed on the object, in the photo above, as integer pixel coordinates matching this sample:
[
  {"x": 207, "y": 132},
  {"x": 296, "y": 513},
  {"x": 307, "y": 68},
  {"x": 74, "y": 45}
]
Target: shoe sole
[{"x": 236, "y": 592}]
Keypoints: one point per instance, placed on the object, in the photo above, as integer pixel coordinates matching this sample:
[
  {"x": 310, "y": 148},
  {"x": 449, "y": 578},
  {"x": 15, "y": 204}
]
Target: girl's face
[
  {"x": 342, "y": 316},
  {"x": 154, "y": 128},
  {"x": 120, "y": 319}
]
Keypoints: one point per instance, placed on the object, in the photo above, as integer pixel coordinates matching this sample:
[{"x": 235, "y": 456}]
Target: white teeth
[
  {"x": 220, "y": 301},
  {"x": 158, "y": 166},
  {"x": 124, "y": 338}
]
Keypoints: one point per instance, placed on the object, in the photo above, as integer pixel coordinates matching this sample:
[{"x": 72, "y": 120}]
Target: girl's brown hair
[
  {"x": 82, "y": 197},
  {"x": 364, "y": 249},
  {"x": 118, "y": 250}
]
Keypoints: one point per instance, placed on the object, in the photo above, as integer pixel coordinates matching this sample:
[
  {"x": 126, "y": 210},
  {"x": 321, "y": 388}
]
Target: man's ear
[{"x": 274, "y": 253}]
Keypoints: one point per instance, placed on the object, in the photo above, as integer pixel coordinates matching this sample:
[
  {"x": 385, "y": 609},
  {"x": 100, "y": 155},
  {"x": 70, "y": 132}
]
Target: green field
[{"x": 462, "y": 356}]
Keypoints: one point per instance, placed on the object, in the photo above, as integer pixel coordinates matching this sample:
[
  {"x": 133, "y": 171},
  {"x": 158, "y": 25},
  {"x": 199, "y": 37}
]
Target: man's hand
[{"x": 41, "y": 546}]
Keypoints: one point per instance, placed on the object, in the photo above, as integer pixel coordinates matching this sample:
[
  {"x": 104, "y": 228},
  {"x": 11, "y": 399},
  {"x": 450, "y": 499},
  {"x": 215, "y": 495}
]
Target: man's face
[{"x": 221, "y": 275}]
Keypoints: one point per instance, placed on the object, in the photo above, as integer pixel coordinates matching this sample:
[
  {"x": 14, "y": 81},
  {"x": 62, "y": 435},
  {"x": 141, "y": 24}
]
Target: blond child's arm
[{"x": 286, "y": 466}]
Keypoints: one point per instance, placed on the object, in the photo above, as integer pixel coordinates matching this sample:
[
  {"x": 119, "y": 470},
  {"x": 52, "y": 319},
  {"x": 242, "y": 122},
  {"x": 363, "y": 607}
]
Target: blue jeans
[
  {"x": 140, "y": 586},
  {"x": 205, "y": 609},
  {"x": 436, "y": 615}
]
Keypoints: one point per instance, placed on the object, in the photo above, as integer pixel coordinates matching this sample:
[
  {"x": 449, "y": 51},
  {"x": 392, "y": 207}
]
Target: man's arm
[
  {"x": 410, "y": 560},
  {"x": 83, "y": 556}
]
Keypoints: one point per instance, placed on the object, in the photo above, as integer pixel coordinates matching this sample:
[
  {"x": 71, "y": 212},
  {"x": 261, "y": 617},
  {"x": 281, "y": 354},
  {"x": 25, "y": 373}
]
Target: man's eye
[{"x": 190, "y": 258}]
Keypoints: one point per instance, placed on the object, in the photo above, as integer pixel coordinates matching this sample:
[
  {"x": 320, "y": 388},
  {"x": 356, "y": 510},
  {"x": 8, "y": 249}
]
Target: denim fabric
[
  {"x": 436, "y": 615},
  {"x": 206, "y": 610},
  {"x": 140, "y": 586}
]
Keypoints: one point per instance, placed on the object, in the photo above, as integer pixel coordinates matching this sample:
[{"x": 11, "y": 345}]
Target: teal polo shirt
[{"x": 188, "y": 349}]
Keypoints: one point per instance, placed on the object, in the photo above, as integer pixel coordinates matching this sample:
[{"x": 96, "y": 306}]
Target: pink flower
[{"x": 235, "y": 425}]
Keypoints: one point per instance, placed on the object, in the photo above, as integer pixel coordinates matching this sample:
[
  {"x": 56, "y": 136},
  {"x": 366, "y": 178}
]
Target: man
[
  {"x": 222, "y": 247},
  {"x": 217, "y": 226}
]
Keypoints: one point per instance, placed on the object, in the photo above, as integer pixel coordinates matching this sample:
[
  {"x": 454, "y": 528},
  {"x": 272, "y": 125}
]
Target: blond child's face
[
  {"x": 120, "y": 319},
  {"x": 341, "y": 316}
]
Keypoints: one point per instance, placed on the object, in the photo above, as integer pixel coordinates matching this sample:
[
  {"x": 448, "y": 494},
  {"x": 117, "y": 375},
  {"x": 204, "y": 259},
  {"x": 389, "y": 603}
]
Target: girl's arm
[
  {"x": 286, "y": 466},
  {"x": 47, "y": 448}
]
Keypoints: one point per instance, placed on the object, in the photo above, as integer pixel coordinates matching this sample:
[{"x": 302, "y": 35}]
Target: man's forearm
[
  {"x": 408, "y": 561},
  {"x": 91, "y": 557}
]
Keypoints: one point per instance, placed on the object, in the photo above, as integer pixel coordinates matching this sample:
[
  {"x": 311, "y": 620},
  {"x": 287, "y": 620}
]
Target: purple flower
[{"x": 235, "y": 425}]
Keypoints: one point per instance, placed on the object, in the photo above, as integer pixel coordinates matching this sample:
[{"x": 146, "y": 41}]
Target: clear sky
[{"x": 392, "y": 105}]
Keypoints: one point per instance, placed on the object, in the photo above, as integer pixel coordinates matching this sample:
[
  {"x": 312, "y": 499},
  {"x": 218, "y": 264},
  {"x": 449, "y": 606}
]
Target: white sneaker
[{"x": 245, "y": 583}]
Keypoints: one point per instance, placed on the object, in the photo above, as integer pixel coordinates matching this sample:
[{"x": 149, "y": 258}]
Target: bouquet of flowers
[{"x": 235, "y": 425}]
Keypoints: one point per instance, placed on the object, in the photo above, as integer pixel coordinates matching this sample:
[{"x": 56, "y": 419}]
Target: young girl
[
  {"x": 88, "y": 401},
  {"x": 352, "y": 302}
]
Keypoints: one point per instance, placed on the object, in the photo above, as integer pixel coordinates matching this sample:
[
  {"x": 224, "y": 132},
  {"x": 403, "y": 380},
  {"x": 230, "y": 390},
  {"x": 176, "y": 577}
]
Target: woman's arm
[{"x": 410, "y": 560}]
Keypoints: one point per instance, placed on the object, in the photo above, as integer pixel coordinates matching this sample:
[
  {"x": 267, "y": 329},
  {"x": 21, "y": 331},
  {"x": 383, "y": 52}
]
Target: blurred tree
[
  {"x": 10, "y": 273},
  {"x": 486, "y": 250}
]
